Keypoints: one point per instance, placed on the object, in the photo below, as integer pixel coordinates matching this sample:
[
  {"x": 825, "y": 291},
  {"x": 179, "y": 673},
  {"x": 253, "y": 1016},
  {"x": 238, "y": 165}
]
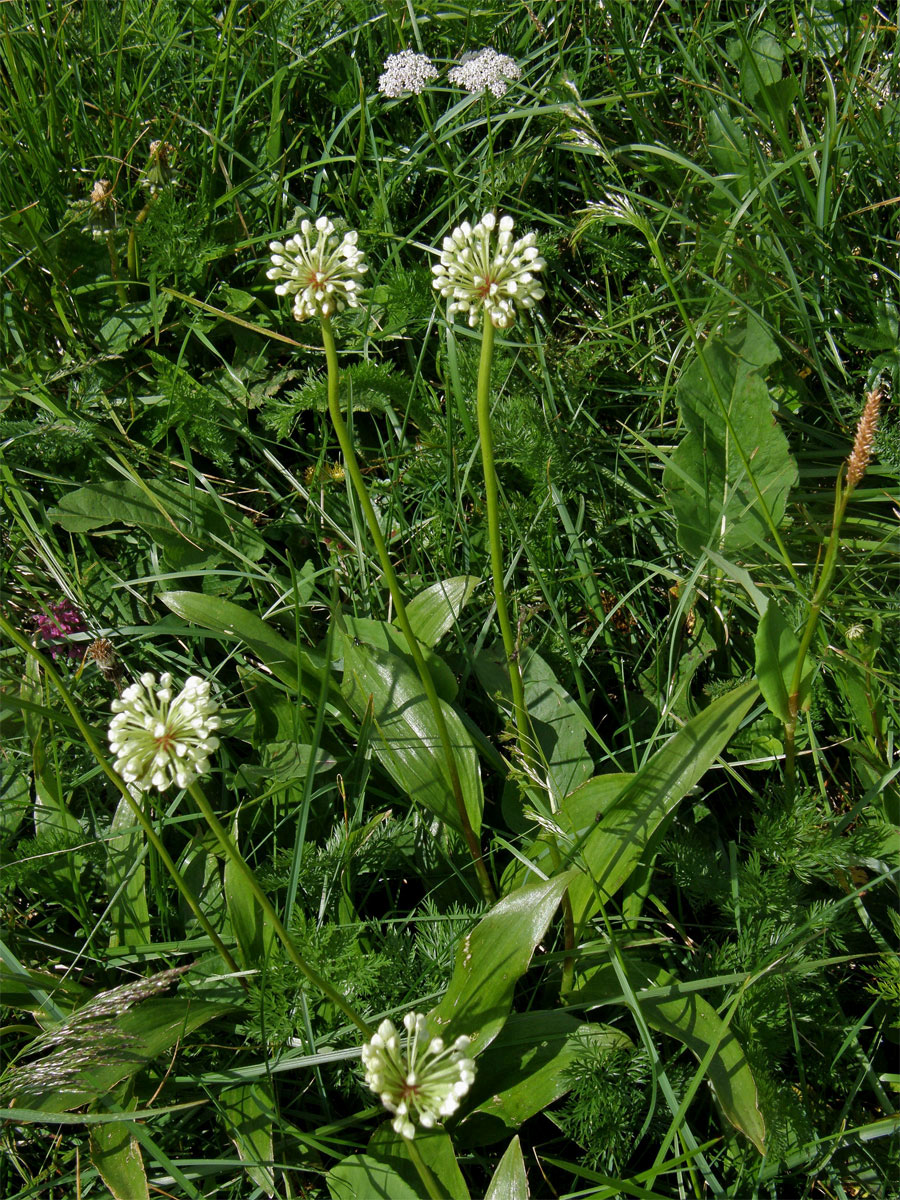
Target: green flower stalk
[
  {"x": 845, "y": 485},
  {"x": 323, "y": 277},
  {"x": 486, "y": 275}
]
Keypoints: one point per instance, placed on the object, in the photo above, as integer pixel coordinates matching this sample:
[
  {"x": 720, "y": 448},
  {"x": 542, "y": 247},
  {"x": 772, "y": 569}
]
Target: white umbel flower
[
  {"x": 322, "y": 277},
  {"x": 419, "y": 1079},
  {"x": 485, "y": 71},
  {"x": 478, "y": 270},
  {"x": 406, "y": 72},
  {"x": 159, "y": 741}
]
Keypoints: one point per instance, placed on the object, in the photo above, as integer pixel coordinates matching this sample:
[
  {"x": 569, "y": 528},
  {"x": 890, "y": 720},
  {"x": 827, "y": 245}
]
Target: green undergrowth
[{"x": 665, "y": 911}]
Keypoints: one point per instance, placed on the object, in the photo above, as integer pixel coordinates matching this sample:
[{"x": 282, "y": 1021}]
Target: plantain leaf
[
  {"x": 777, "y": 650},
  {"x": 116, "y": 1155},
  {"x": 509, "y": 1181},
  {"x": 492, "y": 958},
  {"x": 693, "y": 1021},
  {"x": 386, "y": 1172},
  {"x": 389, "y": 638},
  {"x": 606, "y": 825},
  {"x": 104, "y": 1042},
  {"x": 252, "y": 932},
  {"x": 129, "y": 914},
  {"x": 406, "y": 738},
  {"x": 733, "y": 466},
  {"x": 188, "y": 523},
  {"x": 558, "y": 722},
  {"x": 248, "y": 1114},
  {"x": 434, "y": 611},
  {"x": 294, "y": 667},
  {"x": 525, "y": 1071}
]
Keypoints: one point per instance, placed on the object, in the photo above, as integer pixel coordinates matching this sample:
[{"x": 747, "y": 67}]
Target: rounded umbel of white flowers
[
  {"x": 481, "y": 267},
  {"x": 322, "y": 275},
  {"x": 159, "y": 741},
  {"x": 417, "y": 1078},
  {"x": 406, "y": 72}
]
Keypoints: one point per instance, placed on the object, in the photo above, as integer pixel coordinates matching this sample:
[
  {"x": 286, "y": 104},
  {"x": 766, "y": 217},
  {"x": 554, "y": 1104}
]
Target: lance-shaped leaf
[
  {"x": 406, "y": 737},
  {"x": 492, "y": 958},
  {"x": 606, "y": 825},
  {"x": 509, "y": 1181},
  {"x": 729, "y": 479},
  {"x": 687, "y": 1017}
]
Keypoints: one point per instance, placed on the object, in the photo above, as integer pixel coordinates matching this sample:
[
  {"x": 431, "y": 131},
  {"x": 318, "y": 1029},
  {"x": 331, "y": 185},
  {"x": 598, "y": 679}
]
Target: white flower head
[
  {"x": 485, "y": 71},
  {"x": 482, "y": 267},
  {"x": 323, "y": 277},
  {"x": 418, "y": 1078},
  {"x": 159, "y": 741},
  {"x": 406, "y": 72}
]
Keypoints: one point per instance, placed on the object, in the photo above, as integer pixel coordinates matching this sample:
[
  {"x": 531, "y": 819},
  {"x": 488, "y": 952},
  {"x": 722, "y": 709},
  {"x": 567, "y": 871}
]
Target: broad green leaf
[
  {"x": 290, "y": 664},
  {"x": 186, "y": 522},
  {"x": 252, "y": 932},
  {"x": 558, "y": 722},
  {"x": 509, "y": 1181},
  {"x": 128, "y": 324},
  {"x": 733, "y": 465},
  {"x": 777, "y": 649},
  {"x": 362, "y": 1175},
  {"x": 762, "y": 63},
  {"x": 117, "y": 1157},
  {"x": 436, "y": 1151},
  {"x": 406, "y": 737},
  {"x": 434, "y": 611},
  {"x": 129, "y": 915},
  {"x": 386, "y": 1171},
  {"x": 690, "y": 1019},
  {"x": 15, "y": 797},
  {"x": 102, "y": 1044},
  {"x": 492, "y": 958},
  {"x": 606, "y": 826},
  {"x": 525, "y": 1071},
  {"x": 248, "y": 1114},
  {"x": 202, "y": 872},
  {"x": 387, "y": 637}
]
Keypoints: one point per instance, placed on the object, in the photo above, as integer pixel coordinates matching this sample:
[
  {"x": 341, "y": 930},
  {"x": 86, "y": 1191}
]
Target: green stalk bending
[
  {"x": 491, "y": 495},
  {"x": 232, "y": 852},
  {"x": 393, "y": 584},
  {"x": 821, "y": 589},
  {"x": 428, "y": 1179},
  {"x": 140, "y": 816}
]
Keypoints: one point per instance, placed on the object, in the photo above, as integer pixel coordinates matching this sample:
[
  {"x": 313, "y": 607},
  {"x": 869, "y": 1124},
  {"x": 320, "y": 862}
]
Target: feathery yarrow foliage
[
  {"x": 476, "y": 272},
  {"x": 406, "y": 72},
  {"x": 485, "y": 71},
  {"x": 159, "y": 741},
  {"x": 322, "y": 277},
  {"x": 421, "y": 1080}
]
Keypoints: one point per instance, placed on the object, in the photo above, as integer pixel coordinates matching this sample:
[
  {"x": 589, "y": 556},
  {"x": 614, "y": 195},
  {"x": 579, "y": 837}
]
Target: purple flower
[{"x": 55, "y": 625}]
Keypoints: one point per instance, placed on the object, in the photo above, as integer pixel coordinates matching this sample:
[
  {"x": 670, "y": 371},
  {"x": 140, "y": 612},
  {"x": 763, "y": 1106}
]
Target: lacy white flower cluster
[
  {"x": 478, "y": 71},
  {"x": 419, "y": 1080},
  {"x": 159, "y": 741},
  {"x": 485, "y": 71},
  {"x": 406, "y": 72},
  {"x": 322, "y": 277},
  {"x": 476, "y": 271}
]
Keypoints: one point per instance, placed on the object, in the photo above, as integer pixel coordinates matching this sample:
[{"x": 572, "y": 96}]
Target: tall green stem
[
  {"x": 492, "y": 502},
  {"x": 232, "y": 852},
  {"x": 428, "y": 1179},
  {"x": 820, "y": 591},
  {"x": 359, "y": 485}
]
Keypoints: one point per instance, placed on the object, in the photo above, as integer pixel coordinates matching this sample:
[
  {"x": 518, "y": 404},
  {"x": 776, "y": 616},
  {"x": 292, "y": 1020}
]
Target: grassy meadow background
[{"x": 710, "y": 659}]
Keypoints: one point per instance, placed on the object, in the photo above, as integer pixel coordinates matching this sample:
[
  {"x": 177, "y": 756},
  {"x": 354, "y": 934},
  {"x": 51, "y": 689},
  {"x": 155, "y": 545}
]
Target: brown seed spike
[{"x": 865, "y": 435}]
